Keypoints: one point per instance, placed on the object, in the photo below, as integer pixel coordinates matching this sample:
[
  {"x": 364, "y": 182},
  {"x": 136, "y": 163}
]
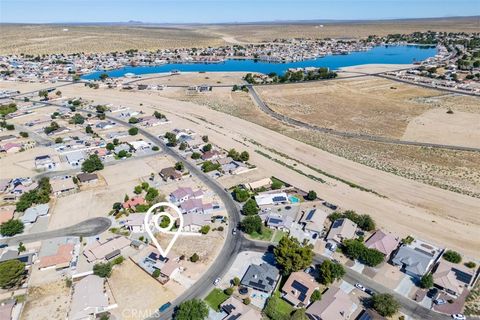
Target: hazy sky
[{"x": 177, "y": 11}]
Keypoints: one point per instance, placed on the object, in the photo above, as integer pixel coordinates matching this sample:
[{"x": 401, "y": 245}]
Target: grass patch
[
  {"x": 266, "y": 234},
  {"x": 215, "y": 298},
  {"x": 278, "y": 235}
]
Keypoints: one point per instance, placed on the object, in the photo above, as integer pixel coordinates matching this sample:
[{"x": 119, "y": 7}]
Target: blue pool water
[
  {"x": 380, "y": 54},
  {"x": 293, "y": 199}
]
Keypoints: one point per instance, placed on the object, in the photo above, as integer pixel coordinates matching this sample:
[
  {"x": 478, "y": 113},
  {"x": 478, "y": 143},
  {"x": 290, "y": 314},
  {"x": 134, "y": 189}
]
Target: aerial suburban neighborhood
[{"x": 299, "y": 169}]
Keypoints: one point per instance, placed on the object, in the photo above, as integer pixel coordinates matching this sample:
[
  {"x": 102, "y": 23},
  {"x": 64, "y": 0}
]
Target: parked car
[
  {"x": 216, "y": 282},
  {"x": 459, "y": 316},
  {"x": 359, "y": 286},
  {"x": 432, "y": 293},
  {"x": 164, "y": 307},
  {"x": 369, "y": 291},
  {"x": 439, "y": 301},
  {"x": 234, "y": 231}
]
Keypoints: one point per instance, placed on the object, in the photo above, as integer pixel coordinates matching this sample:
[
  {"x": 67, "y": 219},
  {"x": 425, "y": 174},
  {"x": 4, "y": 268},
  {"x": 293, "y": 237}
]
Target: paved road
[
  {"x": 408, "y": 306},
  {"x": 87, "y": 228},
  {"x": 266, "y": 109}
]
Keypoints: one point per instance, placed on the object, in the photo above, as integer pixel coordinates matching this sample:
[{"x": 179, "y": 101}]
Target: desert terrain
[
  {"x": 42, "y": 39},
  {"x": 394, "y": 201}
]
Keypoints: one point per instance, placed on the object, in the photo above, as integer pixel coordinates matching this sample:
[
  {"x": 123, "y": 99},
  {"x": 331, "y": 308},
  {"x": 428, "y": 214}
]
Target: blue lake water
[{"x": 380, "y": 54}]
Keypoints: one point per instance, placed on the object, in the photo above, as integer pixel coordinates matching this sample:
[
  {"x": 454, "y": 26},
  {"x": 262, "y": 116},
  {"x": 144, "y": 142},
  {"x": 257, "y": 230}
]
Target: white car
[
  {"x": 459, "y": 316},
  {"x": 359, "y": 286},
  {"x": 216, "y": 281}
]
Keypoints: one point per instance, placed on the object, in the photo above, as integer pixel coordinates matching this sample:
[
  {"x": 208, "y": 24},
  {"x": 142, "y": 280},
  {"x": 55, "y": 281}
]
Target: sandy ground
[
  {"x": 365, "y": 105},
  {"x": 39, "y": 39},
  {"x": 195, "y": 78},
  {"x": 22, "y": 164},
  {"x": 136, "y": 299},
  {"x": 49, "y": 301},
  {"x": 375, "y": 68},
  {"x": 97, "y": 201},
  {"x": 444, "y": 217},
  {"x": 460, "y": 128}
]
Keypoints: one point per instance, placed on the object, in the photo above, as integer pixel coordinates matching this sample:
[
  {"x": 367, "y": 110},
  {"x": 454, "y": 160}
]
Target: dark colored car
[
  {"x": 164, "y": 307},
  {"x": 369, "y": 291},
  {"x": 432, "y": 293}
]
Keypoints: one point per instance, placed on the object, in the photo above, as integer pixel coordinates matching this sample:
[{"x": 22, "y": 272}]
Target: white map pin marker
[{"x": 147, "y": 223}]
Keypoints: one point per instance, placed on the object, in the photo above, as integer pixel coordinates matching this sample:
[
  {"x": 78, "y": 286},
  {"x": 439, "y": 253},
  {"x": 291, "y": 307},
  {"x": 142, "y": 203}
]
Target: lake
[{"x": 379, "y": 54}]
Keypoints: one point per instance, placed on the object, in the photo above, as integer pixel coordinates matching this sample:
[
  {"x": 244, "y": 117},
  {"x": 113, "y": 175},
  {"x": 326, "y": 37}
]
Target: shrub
[
  {"x": 236, "y": 281},
  {"x": 311, "y": 195},
  {"x": 470, "y": 264},
  {"x": 195, "y": 156},
  {"x": 385, "y": 304},
  {"x": 133, "y": 131},
  {"x": 194, "y": 258},
  {"x": 204, "y": 229},
  {"x": 241, "y": 195},
  {"x": 228, "y": 291},
  {"x": 118, "y": 260},
  {"x": 103, "y": 270},
  {"x": 356, "y": 250},
  {"x": 452, "y": 256},
  {"x": 246, "y": 301},
  {"x": 11, "y": 228},
  {"x": 316, "y": 295},
  {"x": 156, "y": 273},
  {"x": 427, "y": 281}
]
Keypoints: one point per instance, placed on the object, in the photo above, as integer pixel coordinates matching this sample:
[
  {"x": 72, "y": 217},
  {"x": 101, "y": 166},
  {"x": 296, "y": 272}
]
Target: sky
[{"x": 218, "y": 11}]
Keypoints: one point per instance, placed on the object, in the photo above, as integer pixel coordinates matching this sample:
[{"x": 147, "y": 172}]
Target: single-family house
[
  {"x": 416, "y": 258},
  {"x": 236, "y": 309},
  {"x": 262, "y": 183},
  {"x": 33, "y": 213},
  {"x": 211, "y": 155},
  {"x": 279, "y": 222},
  {"x": 106, "y": 249},
  {"x": 265, "y": 199},
  {"x": 299, "y": 288},
  {"x": 60, "y": 260},
  {"x": 453, "y": 278},
  {"x": 89, "y": 298},
  {"x": 86, "y": 177},
  {"x": 383, "y": 242},
  {"x": 8, "y": 137},
  {"x": 334, "y": 305},
  {"x": 122, "y": 147},
  {"x": 11, "y": 147},
  {"x": 185, "y": 193},
  {"x": 313, "y": 221},
  {"x": 12, "y": 254},
  {"x": 6, "y": 213},
  {"x": 170, "y": 173},
  {"x": 342, "y": 229},
  {"x": 6, "y": 309},
  {"x": 196, "y": 206},
  {"x": 75, "y": 158},
  {"x": 62, "y": 185},
  {"x": 44, "y": 163},
  {"x": 133, "y": 202},
  {"x": 135, "y": 222},
  {"x": 261, "y": 277},
  {"x": 193, "y": 222}
]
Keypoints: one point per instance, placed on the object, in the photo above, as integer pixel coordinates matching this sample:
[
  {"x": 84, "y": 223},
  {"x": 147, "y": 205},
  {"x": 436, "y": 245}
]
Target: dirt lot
[
  {"x": 365, "y": 105},
  {"x": 39, "y": 39},
  {"x": 136, "y": 299},
  {"x": 196, "y": 78},
  {"x": 50, "y": 301}
]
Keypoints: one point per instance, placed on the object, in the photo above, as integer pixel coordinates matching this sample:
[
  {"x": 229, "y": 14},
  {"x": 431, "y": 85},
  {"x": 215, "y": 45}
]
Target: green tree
[
  {"x": 240, "y": 194},
  {"x": 137, "y": 189},
  {"x": 251, "y": 224},
  {"x": 204, "y": 229},
  {"x": 133, "y": 120},
  {"x": 207, "y": 147},
  {"x": 183, "y": 146},
  {"x": 133, "y": 131},
  {"x": 250, "y": 207},
  {"x": 205, "y": 139},
  {"x": 273, "y": 309},
  {"x": 158, "y": 115},
  {"x": 427, "y": 281},
  {"x": 311, "y": 195},
  {"x": 156, "y": 273},
  {"x": 191, "y": 310},
  {"x": 11, "y": 273},
  {"x": 228, "y": 291},
  {"x": 110, "y": 146},
  {"x": 11, "y": 228},
  {"x": 299, "y": 314},
  {"x": 244, "y": 156},
  {"x": 452, "y": 256},
  {"x": 292, "y": 256},
  {"x": 23, "y": 134},
  {"x": 152, "y": 193},
  {"x": 93, "y": 163},
  {"x": 276, "y": 184},
  {"x": 195, "y": 155},
  {"x": 330, "y": 272},
  {"x": 21, "y": 247},
  {"x": 180, "y": 166},
  {"x": 316, "y": 295},
  {"x": 385, "y": 304},
  {"x": 88, "y": 129},
  {"x": 78, "y": 119},
  {"x": 209, "y": 166},
  {"x": 103, "y": 270}
]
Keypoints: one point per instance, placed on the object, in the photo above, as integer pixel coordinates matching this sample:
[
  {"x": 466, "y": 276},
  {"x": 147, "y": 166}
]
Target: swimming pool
[{"x": 293, "y": 199}]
